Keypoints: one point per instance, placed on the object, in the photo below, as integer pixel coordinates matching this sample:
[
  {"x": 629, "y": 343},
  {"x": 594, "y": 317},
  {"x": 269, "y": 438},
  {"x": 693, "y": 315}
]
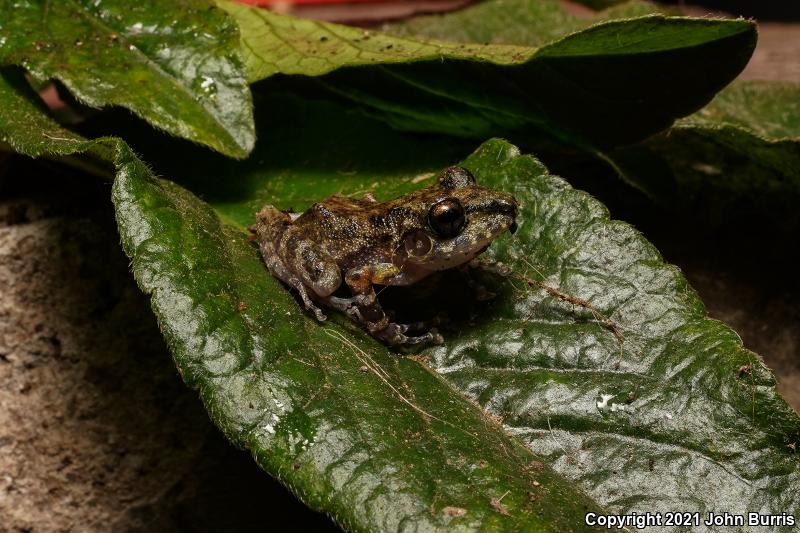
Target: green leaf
[
  {"x": 636, "y": 424},
  {"x": 737, "y": 155},
  {"x": 25, "y": 125},
  {"x": 516, "y": 22},
  {"x": 740, "y": 154},
  {"x": 767, "y": 108},
  {"x": 688, "y": 404},
  {"x": 680, "y": 401},
  {"x": 610, "y": 84},
  {"x": 376, "y": 440},
  {"x": 175, "y": 64}
]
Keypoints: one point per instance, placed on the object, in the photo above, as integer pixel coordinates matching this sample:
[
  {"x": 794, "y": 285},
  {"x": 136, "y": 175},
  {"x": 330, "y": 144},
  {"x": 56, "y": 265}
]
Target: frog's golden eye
[{"x": 446, "y": 218}]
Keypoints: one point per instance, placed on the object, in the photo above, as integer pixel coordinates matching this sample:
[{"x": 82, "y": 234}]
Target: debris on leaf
[{"x": 496, "y": 503}]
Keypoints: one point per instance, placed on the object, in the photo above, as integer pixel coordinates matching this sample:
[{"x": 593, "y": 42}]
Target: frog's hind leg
[
  {"x": 309, "y": 304},
  {"x": 394, "y": 334},
  {"x": 280, "y": 243},
  {"x": 279, "y": 270}
]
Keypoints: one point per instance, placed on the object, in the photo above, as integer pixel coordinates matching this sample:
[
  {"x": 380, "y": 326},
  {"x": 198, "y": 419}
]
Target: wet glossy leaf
[
  {"x": 175, "y": 64},
  {"x": 638, "y": 424},
  {"x": 641, "y": 424},
  {"x": 374, "y": 439},
  {"x": 613, "y": 83}
]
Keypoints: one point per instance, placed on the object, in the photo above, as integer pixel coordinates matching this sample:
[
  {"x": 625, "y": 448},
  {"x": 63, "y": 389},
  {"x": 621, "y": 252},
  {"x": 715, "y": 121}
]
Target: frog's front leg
[{"x": 364, "y": 308}]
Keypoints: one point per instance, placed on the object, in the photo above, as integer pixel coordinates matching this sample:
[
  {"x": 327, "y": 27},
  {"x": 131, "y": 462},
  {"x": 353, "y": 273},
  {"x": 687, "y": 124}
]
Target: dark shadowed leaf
[
  {"x": 612, "y": 83},
  {"x": 25, "y": 125},
  {"x": 736, "y": 159},
  {"x": 767, "y": 108},
  {"x": 175, "y": 64},
  {"x": 738, "y": 156}
]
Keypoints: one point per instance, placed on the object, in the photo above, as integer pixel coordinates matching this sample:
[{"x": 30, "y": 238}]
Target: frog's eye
[
  {"x": 455, "y": 177},
  {"x": 446, "y": 218}
]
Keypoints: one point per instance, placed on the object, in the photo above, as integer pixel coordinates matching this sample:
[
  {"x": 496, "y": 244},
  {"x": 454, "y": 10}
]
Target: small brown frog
[{"x": 366, "y": 242}]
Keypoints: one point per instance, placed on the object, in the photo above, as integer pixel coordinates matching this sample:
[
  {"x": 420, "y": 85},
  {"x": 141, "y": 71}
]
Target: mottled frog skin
[{"x": 365, "y": 243}]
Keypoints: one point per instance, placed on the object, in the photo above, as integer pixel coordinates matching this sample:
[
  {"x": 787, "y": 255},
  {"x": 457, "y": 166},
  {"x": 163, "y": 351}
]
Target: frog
[{"x": 362, "y": 243}]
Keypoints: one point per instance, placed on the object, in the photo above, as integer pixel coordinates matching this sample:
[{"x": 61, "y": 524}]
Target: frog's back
[{"x": 349, "y": 229}]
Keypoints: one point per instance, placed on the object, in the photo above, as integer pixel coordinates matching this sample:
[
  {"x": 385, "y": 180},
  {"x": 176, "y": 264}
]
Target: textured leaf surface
[
  {"x": 769, "y": 109},
  {"x": 516, "y": 22},
  {"x": 376, "y": 440},
  {"x": 273, "y": 43},
  {"x": 613, "y": 83},
  {"x": 644, "y": 425},
  {"x": 739, "y": 154},
  {"x": 175, "y": 64},
  {"x": 25, "y": 125}
]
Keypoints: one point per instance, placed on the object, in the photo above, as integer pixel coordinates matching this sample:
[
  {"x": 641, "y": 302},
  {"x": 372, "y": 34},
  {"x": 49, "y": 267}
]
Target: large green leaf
[
  {"x": 734, "y": 163},
  {"x": 377, "y": 441},
  {"x": 612, "y": 83},
  {"x": 175, "y": 64},
  {"x": 639, "y": 424},
  {"x": 767, "y": 108}
]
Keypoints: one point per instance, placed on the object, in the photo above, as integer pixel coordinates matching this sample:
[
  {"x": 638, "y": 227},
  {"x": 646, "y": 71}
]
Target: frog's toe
[
  {"x": 431, "y": 337},
  {"x": 412, "y": 326},
  {"x": 436, "y": 337},
  {"x": 394, "y": 335}
]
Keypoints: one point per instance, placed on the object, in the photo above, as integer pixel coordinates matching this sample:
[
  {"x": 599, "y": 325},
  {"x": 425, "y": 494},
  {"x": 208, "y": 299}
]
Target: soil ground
[{"x": 97, "y": 431}]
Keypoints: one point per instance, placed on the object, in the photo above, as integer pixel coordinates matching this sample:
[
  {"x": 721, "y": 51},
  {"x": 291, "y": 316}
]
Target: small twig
[
  {"x": 609, "y": 324},
  {"x": 53, "y": 137}
]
